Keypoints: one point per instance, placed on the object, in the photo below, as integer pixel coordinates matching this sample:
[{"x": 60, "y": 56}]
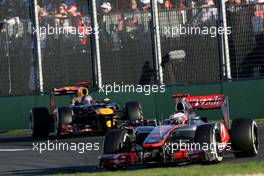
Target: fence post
[
  {"x": 227, "y": 53},
  {"x": 37, "y": 45},
  {"x": 157, "y": 58},
  {"x": 97, "y": 72}
]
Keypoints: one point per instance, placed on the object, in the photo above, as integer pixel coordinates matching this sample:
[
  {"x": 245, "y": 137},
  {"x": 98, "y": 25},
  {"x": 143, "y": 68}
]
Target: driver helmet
[
  {"x": 182, "y": 107},
  {"x": 178, "y": 119},
  {"x": 79, "y": 93},
  {"x": 83, "y": 91},
  {"x": 87, "y": 100},
  {"x": 106, "y": 100}
]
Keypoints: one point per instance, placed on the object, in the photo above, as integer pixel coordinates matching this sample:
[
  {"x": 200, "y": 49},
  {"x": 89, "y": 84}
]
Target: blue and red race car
[
  {"x": 83, "y": 115},
  {"x": 185, "y": 137}
]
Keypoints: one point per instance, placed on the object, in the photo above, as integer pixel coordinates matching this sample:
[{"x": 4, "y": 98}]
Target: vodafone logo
[{"x": 224, "y": 134}]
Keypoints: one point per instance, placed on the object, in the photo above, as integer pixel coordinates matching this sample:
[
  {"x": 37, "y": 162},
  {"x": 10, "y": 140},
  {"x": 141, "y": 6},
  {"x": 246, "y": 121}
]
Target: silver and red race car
[{"x": 185, "y": 137}]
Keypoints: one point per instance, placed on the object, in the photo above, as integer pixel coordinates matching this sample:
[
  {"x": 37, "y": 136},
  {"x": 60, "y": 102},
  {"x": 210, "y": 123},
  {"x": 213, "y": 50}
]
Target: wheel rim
[
  {"x": 255, "y": 137},
  {"x": 124, "y": 142},
  {"x": 56, "y": 125},
  {"x": 31, "y": 124},
  {"x": 216, "y": 142}
]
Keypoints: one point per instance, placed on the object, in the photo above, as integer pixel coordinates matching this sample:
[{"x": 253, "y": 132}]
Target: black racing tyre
[
  {"x": 39, "y": 120},
  {"x": 209, "y": 134},
  {"x": 117, "y": 141},
  {"x": 133, "y": 111},
  {"x": 63, "y": 116},
  {"x": 244, "y": 136}
]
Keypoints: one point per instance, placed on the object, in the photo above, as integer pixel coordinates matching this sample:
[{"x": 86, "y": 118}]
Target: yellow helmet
[{"x": 82, "y": 92}]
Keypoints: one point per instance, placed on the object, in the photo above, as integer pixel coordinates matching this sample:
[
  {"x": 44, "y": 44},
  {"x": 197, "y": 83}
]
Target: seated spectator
[
  {"x": 206, "y": 15},
  {"x": 60, "y": 15},
  {"x": 182, "y": 5},
  {"x": 105, "y": 9},
  {"x": 41, "y": 12},
  {"x": 132, "y": 19},
  {"x": 260, "y": 9},
  {"x": 76, "y": 17},
  {"x": 116, "y": 31},
  {"x": 207, "y": 3},
  {"x": 61, "y": 12},
  {"x": 258, "y": 17},
  {"x": 48, "y": 6},
  {"x": 133, "y": 16},
  {"x": 76, "y": 20},
  {"x": 168, "y": 5},
  {"x": 133, "y": 5},
  {"x": 70, "y": 2},
  {"x": 73, "y": 11},
  {"x": 146, "y": 5}
]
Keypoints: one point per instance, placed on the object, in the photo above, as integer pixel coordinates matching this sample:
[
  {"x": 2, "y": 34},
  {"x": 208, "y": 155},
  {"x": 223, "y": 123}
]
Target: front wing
[{"x": 126, "y": 159}]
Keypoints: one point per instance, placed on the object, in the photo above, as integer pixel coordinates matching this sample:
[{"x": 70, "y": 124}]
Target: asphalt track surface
[{"x": 17, "y": 156}]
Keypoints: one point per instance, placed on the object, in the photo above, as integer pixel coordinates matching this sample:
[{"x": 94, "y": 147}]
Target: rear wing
[
  {"x": 202, "y": 102},
  {"x": 72, "y": 90},
  {"x": 207, "y": 102},
  {"x": 82, "y": 87}
]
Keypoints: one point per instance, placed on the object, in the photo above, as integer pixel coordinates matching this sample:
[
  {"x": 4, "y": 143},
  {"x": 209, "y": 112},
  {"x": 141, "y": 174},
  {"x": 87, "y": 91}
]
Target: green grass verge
[
  {"x": 196, "y": 170},
  {"x": 260, "y": 121},
  {"x": 21, "y": 131}
]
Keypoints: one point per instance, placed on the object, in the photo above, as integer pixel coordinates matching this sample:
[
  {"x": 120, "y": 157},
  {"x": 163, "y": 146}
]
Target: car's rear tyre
[
  {"x": 244, "y": 135},
  {"x": 133, "y": 111},
  {"x": 209, "y": 134},
  {"x": 63, "y": 116},
  {"x": 39, "y": 122}
]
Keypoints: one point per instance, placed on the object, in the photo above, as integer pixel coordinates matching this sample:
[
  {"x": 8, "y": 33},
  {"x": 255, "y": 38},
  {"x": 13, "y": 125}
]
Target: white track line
[{"x": 14, "y": 150}]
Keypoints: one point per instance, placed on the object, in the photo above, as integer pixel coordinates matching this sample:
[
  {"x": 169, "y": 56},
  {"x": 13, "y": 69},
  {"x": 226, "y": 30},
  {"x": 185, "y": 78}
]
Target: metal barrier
[
  {"x": 16, "y": 63},
  {"x": 185, "y": 30},
  {"x": 126, "y": 49},
  {"x": 64, "y": 43},
  {"x": 246, "y": 41},
  {"x": 127, "y": 45},
  {"x": 66, "y": 55}
]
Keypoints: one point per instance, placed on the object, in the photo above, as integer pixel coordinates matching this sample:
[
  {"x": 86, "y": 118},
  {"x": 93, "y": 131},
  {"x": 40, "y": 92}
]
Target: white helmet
[
  {"x": 87, "y": 100},
  {"x": 178, "y": 119}
]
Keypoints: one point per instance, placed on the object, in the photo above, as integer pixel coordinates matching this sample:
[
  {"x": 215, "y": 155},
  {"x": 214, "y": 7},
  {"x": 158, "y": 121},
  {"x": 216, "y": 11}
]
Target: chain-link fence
[
  {"x": 65, "y": 46},
  {"x": 192, "y": 50},
  {"x": 16, "y": 60},
  {"x": 193, "y": 32},
  {"x": 125, "y": 44},
  {"x": 246, "y": 42}
]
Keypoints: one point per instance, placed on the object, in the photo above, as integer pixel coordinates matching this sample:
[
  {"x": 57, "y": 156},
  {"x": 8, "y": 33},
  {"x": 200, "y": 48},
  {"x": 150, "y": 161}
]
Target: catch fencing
[{"x": 192, "y": 50}]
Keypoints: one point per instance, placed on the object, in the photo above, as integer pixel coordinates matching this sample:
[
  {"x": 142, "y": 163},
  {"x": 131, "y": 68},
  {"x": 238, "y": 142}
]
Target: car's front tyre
[{"x": 209, "y": 135}]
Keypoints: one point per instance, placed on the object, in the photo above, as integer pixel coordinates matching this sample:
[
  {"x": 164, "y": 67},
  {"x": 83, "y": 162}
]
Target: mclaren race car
[
  {"x": 83, "y": 115},
  {"x": 184, "y": 138}
]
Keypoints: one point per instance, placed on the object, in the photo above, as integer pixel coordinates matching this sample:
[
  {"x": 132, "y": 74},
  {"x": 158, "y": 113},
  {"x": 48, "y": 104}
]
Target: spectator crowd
[{"x": 124, "y": 21}]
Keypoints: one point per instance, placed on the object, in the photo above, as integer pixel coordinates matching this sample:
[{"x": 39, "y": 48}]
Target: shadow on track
[
  {"x": 87, "y": 169},
  {"x": 28, "y": 138},
  {"x": 62, "y": 170}
]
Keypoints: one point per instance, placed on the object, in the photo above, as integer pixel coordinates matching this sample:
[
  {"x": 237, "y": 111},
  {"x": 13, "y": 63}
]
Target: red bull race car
[
  {"x": 83, "y": 115},
  {"x": 184, "y": 137}
]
